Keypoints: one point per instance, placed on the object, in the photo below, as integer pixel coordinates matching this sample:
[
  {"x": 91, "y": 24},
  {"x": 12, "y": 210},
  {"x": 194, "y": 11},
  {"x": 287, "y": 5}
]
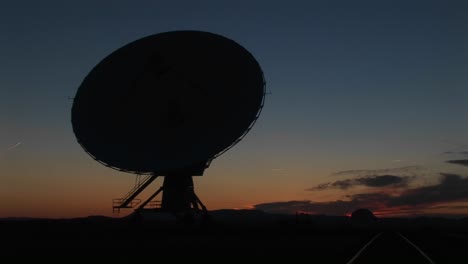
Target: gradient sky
[{"x": 359, "y": 90}]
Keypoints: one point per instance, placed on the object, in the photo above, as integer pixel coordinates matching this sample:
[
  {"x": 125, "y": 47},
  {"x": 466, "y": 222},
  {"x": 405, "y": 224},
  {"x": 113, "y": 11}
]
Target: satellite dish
[{"x": 168, "y": 104}]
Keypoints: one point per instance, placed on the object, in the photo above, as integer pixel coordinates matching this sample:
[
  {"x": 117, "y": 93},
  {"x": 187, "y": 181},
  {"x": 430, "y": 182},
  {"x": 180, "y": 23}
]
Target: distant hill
[{"x": 262, "y": 219}]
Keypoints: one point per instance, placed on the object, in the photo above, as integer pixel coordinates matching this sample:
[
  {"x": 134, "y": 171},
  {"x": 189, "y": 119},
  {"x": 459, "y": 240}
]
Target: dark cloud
[
  {"x": 463, "y": 162},
  {"x": 344, "y": 184},
  {"x": 384, "y": 180},
  {"x": 369, "y": 181},
  {"x": 319, "y": 187},
  {"x": 283, "y": 207},
  {"x": 451, "y": 188},
  {"x": 405, "y": 171}
]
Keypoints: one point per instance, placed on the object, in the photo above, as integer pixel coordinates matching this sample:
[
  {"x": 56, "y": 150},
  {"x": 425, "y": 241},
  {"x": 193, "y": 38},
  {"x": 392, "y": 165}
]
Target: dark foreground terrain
[{"x": 231, "y": 238}]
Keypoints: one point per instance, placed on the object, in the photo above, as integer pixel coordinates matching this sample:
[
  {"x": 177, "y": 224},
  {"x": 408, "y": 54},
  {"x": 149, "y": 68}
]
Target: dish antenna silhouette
[{"x": 167, "y": 105}]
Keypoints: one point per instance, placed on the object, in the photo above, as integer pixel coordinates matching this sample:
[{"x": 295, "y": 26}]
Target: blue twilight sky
[{"x": 355, "y": 85}]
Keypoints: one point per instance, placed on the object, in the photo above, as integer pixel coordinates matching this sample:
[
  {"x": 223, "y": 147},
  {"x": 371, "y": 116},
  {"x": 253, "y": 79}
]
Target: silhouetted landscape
[
  {"x": 296, "y": 112},
  {"x": 235, "y": 235}
]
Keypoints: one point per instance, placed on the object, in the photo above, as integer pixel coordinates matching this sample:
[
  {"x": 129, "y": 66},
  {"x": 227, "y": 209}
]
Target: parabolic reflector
[{"x": 168, "y": 101}]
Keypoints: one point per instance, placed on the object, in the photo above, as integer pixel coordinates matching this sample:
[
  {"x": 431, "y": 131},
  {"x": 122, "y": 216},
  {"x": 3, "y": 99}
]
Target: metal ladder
[{"x": 129, "y": 201}]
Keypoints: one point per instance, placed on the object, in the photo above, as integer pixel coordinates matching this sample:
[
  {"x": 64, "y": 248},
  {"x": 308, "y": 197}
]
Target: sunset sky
[{"x": 368, "y": 105}]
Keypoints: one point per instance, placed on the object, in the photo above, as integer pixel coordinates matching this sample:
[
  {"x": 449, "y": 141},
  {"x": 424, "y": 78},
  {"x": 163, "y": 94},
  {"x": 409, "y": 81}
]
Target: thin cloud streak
[
  {"x": 405, "y": 171},
  {"x": 457, "y": 152},
  {"x": 370, "y": 181}
]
